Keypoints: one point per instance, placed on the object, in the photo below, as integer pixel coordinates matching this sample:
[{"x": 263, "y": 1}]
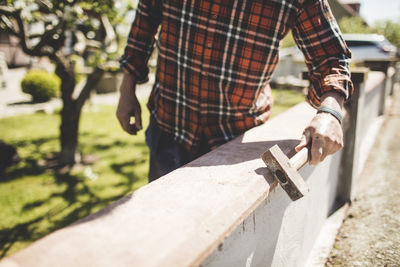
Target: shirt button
[
  {"x": 204, "y": 73},
  {"x": 209, "y": 44},
  {"x": 215, "y": 16}
]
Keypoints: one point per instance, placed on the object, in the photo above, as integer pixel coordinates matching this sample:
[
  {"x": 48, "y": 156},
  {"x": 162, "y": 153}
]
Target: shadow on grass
[
  {"x": 79, "y": 201},
  {"x": 78, "y": 198},
  {"x": 117, "y": 143},
  {"x": 38, "y": 142},
  {"x": 29, "y": 165}
]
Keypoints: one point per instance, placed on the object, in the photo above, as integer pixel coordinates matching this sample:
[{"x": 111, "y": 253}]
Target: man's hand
[
  {"x": 324, "y": 131},
  {"x": 128, "y": 106}
]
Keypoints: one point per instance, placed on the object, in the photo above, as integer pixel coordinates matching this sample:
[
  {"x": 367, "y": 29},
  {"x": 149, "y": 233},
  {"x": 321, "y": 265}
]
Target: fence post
[
  {"x": 396, "y": 76},
  {"x": 385, "y": 66},
  {"x": 351, "y": 136}
]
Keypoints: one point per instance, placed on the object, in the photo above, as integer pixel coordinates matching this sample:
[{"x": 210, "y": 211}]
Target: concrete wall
[
  {"x": 280, "y": 232},
  {"x": 371, "y": 98},
  {"x": 223, "y": 209}
]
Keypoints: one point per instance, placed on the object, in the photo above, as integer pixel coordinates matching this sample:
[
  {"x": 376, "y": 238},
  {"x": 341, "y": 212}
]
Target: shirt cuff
[
  {"x": 331, "y": 83},
  {"x": 141, "y": 73}
]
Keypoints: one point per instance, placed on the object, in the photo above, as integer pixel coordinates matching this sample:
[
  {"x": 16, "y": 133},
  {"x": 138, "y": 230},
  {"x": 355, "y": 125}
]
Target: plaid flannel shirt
[{"x": 216, "y": 58}]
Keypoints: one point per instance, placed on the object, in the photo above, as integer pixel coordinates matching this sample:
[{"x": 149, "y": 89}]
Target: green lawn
[
  {"x": 35, "y": 201},
  {"x": 284, "y": 99}
]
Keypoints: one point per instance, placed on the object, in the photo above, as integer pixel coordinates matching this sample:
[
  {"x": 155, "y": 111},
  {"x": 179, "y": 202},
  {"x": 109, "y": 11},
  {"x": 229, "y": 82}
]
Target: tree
[
  {"x": 63, "y": 30},
  {"x": 354, "y": 25},
  {"x": 391, "y": 30}
]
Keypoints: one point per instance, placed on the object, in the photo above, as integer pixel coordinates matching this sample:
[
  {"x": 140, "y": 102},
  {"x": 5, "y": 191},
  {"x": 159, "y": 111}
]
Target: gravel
[{"x": 370, "y": 234}]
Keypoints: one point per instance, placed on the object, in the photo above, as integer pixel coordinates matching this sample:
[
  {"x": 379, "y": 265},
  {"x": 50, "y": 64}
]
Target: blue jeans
[{"x": 166, "y": 154}]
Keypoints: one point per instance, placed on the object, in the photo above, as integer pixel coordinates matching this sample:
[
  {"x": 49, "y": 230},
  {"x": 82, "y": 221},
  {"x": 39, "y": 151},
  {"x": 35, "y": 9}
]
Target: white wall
[{"x": 281, "y": 232}]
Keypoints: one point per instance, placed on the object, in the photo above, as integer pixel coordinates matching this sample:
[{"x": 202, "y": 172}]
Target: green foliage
[
  {"x": 64, "y": 18},
  {"x": 354, "y": 25},
  {"x": 35, "y": 201},
  {"x": 391, "y": 30},
  {"x": 285, "y": 99},
  {"x": 41, "y": 85},
  {"x": 71, "y": 34}
]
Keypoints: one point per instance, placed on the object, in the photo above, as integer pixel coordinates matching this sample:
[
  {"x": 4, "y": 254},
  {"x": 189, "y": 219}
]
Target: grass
[
  {"x": 35, "y": 201},
  {"x": 285, "y": 99}
]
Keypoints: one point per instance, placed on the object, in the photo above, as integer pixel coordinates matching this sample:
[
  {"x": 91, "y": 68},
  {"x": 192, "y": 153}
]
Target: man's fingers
[
  {"x": 131, "y": 129},
  {"x": 129, "y": 114},
  {"x": 129, "y": 106},
  {"x": 138, "y": 120},
  {"x": 317, "y": 150},
  {"x": 328, "y": 150},
  {"x": 127, "y": 126},
  {"x": 305, "y": 139}
]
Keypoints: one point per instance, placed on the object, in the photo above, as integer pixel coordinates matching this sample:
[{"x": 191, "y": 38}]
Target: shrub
[
  {"x": 41, "y": 85},
  {"x": 354, "y": 25}
]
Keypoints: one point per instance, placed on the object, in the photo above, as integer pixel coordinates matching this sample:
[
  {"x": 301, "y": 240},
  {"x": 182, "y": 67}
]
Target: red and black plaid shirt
[{"x": 216, "y": 58}]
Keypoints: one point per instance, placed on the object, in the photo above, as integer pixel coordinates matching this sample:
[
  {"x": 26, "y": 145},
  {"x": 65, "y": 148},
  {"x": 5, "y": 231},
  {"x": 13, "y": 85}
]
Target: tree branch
[
  {"x": 38, "y": 50},
  {"x": 9, "y": 27},
  {"x": 91, "y": 82},
  {"x": 7, "y": 10},
  {"x": 45, "y": 6},
  {"x": 6, "y": 13},
  {"x": 16, "y": 14},
  {"x": 47, "y": 37},
  {"x": 22, "y": 33}
]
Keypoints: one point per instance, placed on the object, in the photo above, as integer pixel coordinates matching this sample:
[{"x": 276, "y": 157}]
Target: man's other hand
[
  {"x": 324, "y": 131},
  {"x": 129, "y": 106}
]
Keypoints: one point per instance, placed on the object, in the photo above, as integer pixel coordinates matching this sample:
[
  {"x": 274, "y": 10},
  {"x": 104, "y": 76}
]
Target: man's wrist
[
  {"x": 332, "y": 103},
  {"x": 331, "y": 111},
  {"x": 130, "y": 76},
  {"x": 333, "y": 100},
  {"x": 128, "y": 85}
]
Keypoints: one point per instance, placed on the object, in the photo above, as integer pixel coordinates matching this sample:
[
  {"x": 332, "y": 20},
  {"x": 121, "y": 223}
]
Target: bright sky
[{"x": 377, "y": 10}]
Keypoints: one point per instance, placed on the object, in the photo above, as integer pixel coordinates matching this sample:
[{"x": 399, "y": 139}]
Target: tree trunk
[
  {"x": 69, "y": 117},
  {"x": 69, "y": 130},
  {"x": 71, "y": 111}
]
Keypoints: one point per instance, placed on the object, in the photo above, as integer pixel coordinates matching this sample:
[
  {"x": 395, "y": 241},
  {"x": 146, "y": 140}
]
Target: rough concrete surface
[{"x": 370, "y": 234}]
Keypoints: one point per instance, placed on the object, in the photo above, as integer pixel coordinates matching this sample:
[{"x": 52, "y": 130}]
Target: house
[
  {"x": 13, "y": 54},
  {"x": 345, "y": 8}
]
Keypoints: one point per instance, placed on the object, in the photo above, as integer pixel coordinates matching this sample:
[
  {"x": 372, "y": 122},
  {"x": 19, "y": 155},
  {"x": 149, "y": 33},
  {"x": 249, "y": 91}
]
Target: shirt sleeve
[
  {"x": 327, "y": 56},
  {"x": 141, "y": 39}
]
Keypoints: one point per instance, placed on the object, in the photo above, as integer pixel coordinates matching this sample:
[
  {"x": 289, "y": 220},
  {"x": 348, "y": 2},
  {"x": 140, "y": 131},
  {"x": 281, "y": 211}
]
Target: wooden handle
[{"x": 300, "y": 159}]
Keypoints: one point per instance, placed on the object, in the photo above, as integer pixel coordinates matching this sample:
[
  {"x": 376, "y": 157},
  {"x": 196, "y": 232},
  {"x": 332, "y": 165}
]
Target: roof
[
  {"x": 347, "y": 2},
  {"x": 363, "y": 37}
]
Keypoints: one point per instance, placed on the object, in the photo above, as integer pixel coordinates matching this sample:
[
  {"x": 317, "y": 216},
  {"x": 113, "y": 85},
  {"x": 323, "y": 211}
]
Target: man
[{"x": 215, "y": 62}]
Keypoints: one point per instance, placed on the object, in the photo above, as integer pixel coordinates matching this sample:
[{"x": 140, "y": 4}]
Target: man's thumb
[
  {"x": 138, "y": 121},
  {"x": 305, "y": 139}
]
